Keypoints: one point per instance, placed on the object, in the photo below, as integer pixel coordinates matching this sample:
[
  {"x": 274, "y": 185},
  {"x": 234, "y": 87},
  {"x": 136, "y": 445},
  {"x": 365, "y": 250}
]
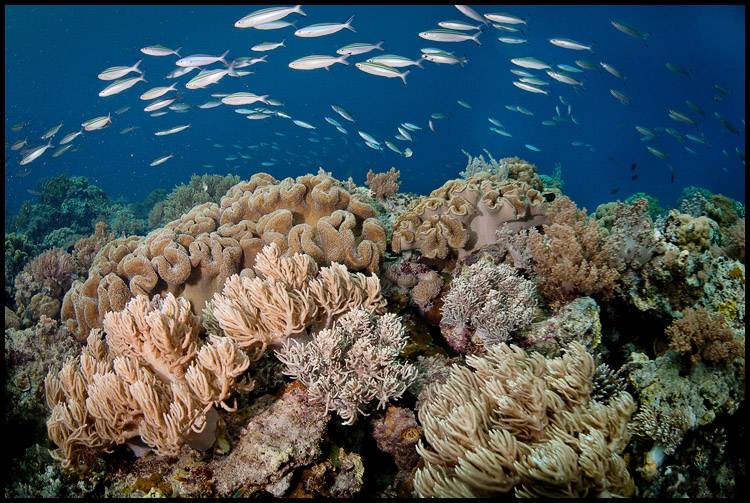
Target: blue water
[{"x": 53, "y": 55}]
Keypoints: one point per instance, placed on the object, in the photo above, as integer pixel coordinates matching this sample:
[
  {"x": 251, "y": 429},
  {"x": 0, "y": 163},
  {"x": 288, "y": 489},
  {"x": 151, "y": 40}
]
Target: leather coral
[{"x": 150, "y": 381}]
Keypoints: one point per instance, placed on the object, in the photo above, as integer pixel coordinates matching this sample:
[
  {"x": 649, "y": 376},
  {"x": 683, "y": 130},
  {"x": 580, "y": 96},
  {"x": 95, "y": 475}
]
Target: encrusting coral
[
  {"x": 463, "y": 215},
  {"x": 523, "y": 423},
  {"x": 194, "y": 255},
  {"x": 351, "y": 364},
  {"x": 151, "y": 377},
  {"x": 286, "y": 297}
]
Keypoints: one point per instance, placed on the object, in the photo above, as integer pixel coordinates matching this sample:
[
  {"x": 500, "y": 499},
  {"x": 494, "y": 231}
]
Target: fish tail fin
[
  {"x": 298, "y": 10},
  {"x": 221, "y": 58},
  {"x": 403, "y": 76},
  {"x": 177, "y": 51},
  {"x": 418, "y": 62},
  {"x": 343, "y": 60},
  {"x": 348, "y": 25},
  {"x": 475, "y": 38},
  {"x": 377, "y": 46}
]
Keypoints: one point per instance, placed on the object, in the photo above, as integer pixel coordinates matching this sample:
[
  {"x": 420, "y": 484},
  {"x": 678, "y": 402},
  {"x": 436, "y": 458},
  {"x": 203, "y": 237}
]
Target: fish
[
  {"x": 316, "y": 61},
  {"x": 532, "y": 147},
  {"x": 564, "y": 78},
  {"x": 677, "y": 68},
  {"x": 243, "y": 98},
  {"x": 671, "y": 170},
  {"x": 721, "y": 90},
  {"x": 502, "y": 17},
  {"x": 586, "y": 65},
  {"x": 268, "y": 46},
  {"x": 530, "y": 63},
  {"x": 512, "y": 40},
  {"x": 97, "y": 123},
  {"x": 303, "y": 124},
  {"x": 458, "y": 25},
  {"x": 567, "y": 43},
  {"x": 343, "y": 113},
  {"x": 19, "y": 144},
  {"x": 60, "y": 151},
  {"x": 410, "y": 126},
  {"x": 404, "y": 134},
  {"x": 698, "y": 139},
  {"x": 393, "y": 147},
  {"x": 121, "y": 85},
  {"x": 179, "y": 72},
  {"x": 408, "y": 152},
  {"x": 681, "y": 117},
  {"x": 689, "y": 150},
  {"x": 381, "y": 70},
  {"x": 501, "y": 132},
  {"x": 159, "y": 104},
  {"x": 568, "y": 68},
  {"x": 342, "y": 130},
  {"x": 470, "y": 13},
  {"x": 728, "y": 125},
  {"x": 247, "y": 61},
  {"x": 269, "y": 15},
  {"x": 632, "y": 167},
  {"x": 160, "y": 50},
  {"x": 173, "y": 130},
  {"x": 160, "y": 160},
  {"x": 432, "y": 126},
  {"x": 360, "y": 48},
  {"x": 34, "y": 153},
  {"x": 657, "y": 152},
  {"x": 129, "y": 129},
  {"x": 496, "y": 122},
  {"x": 331, "y": 121},
  {"x": 645, "y": 131},
  {"x": 614, "y": 191},
  {"x": 394, "y": 61},
  {"x": 70, "y": 137},
  {"x": 624, "y": 98},
  {"x": 368, "y": 138},
  {"x": 443, "y": 35},
  {"x": 201, "y": 60},
  {"x": 208, "y": 77},
  {"x": 629, "y": 30},
  {"x": 157, "y": 92},
  {"x": 444, "y": 58},
  {"x": 51, "y": 131},
  {"x": 437, "y": 115},
  {"x": 548, "y": 123},
  {"x": 530, "y": 88},
  {"x": 321, "y": 29},
  {"x": 180, "y": 107},
  {"x": 17, "y": 127},
  {"x": 119, "y": 71},
  {"x": 464, "y": 104},
  {"x": 634, "y": 177},
  {"x": 611, "y": 69}
]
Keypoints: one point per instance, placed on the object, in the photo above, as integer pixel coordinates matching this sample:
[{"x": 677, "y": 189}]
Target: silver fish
[
  {"x": 269, "y": 15},
  {"x": 321, "y": 29},
  {"x": 567, "y": 43},
  {"x": 381, "y": 70},
  {"x": 629, "y": 30},
  {"x": 121, "y": 85},
  {"x": 119, "y": 71},
  {"x": 35, "y": 153},
  {"x": 442, "y": 35},
  {"x": 160, "y": 50},
  {"x": 317, "y": 61},
  {"x": 160, "y": 160}
]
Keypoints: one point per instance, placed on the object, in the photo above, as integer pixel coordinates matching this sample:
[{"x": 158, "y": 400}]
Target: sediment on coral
[{"x": 523, "y": 423}]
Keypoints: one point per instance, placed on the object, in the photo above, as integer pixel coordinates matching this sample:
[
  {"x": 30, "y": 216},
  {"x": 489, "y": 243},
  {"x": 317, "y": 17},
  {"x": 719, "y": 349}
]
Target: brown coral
[
  {"x": 463, "y": 215},
  {"x": 383, "y": 185},
  {"x": 704, "y": 336},
  {"x": 194, "y": 255}
]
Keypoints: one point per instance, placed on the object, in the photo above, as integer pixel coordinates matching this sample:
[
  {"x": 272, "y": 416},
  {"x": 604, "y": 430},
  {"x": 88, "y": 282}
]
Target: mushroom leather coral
[
  {"x": 463, "y": 215},
  {"x": 193, "y": 256}
]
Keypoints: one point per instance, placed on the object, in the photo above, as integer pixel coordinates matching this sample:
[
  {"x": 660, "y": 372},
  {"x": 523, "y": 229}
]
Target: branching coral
[
  {"x": 704, "y": 336},
  {"x": 352, "y": 364},
  {"x": 571, "y": 257},
  {"x": 151, "y": 378},
  {"x": 286, "y": 297},
  {"x": 485, "y": 304},
  {"x": 518, "y": 422},
  {"x": 383, "y": 185}
]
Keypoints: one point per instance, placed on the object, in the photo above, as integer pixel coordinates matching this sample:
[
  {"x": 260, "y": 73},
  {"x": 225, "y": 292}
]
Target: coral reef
[
  {"x": 286, "y": 297},
  {"x": 383, "y": 185},
  {"x": 193, "y": 256},
  {"x": 199, "y": 190},
  {"x": 397, "y": 433},
  {"x": 522, "y": 423},
  {"x": 152, "y": 378},
  {"x": 463, "y": 215},
  {"x": 352, "y": 364},
  {"x": 484, "y": 305}
]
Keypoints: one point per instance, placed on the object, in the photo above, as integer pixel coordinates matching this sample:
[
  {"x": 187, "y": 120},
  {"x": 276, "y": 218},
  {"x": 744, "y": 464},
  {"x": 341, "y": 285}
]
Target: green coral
[{"x": 654, "y": 209}]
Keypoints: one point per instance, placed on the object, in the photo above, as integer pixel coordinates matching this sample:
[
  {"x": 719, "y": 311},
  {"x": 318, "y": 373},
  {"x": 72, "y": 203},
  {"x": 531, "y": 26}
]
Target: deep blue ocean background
[{"x": 54, "y": 53}]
